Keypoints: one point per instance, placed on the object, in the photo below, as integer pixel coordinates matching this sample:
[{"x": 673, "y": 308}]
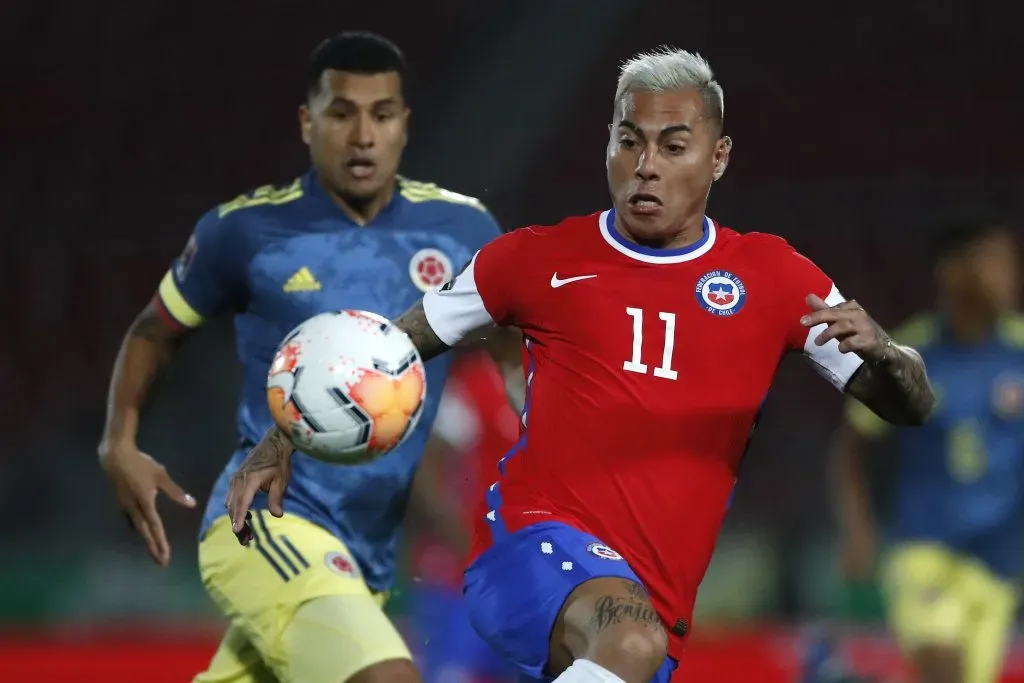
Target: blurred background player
[
  {"x": 956, "y": 525},
  {"x": 475, "y": 427},
  {"x": 305, "y": 600}
]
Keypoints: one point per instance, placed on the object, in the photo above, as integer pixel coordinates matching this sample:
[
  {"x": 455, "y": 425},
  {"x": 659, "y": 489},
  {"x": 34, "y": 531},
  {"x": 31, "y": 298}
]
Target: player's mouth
[
  {"x": 644, "y": 203},
  {"x": 361, "y": 169}
]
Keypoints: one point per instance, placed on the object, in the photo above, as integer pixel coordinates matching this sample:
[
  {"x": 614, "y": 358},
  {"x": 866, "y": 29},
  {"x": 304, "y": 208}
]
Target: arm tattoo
[
  {"x": 271, "y": 450},
  {"x": 616, "y": 609},
  {"x": 414, "y": 323},
  {"x": 896, "y": 387},
  {"x": 635, "y": 590}
]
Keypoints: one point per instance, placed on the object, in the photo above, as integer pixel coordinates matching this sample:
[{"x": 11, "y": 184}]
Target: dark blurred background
[{"x": 856, "y": 125}]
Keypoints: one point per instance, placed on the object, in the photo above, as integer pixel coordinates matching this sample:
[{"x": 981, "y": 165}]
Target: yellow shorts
[
  {"x": 299, "y": 609},
  {"x": 937, "y": 597}
]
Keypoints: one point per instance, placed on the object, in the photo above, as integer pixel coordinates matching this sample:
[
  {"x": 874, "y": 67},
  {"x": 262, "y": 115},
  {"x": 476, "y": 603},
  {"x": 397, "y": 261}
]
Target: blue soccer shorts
[{"x": 516, "y": 588}]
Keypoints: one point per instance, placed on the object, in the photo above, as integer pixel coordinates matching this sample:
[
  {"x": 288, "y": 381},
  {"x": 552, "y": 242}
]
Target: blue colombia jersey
[
  {"x": 959, "y": 477},
  {"x": 277, "y": 256}
]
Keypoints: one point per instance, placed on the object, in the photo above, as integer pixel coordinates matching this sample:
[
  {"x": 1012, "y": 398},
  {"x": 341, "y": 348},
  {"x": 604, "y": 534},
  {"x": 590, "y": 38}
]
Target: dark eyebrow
[
  {"x": 344, "y": 101},
  {"x": 668, "y": 130}
]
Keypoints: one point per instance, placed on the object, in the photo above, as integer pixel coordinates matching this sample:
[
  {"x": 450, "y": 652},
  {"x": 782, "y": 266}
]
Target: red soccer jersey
[{"x": 646, "y": 369}]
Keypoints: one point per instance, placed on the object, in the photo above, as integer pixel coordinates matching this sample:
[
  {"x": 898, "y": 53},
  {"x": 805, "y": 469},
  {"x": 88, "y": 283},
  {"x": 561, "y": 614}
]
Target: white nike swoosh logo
[{"x": 556, "y": 283}]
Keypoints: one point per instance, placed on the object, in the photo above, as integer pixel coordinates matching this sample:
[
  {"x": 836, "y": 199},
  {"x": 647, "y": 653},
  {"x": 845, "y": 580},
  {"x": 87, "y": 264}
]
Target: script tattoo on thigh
[{"x": 616, "y": 609}]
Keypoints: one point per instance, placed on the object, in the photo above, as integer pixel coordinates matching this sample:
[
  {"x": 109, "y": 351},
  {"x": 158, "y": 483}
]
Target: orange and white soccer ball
[{"x": 348, "y": 386}]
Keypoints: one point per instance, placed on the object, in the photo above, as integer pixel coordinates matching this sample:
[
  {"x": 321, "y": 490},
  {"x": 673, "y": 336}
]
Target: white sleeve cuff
[
  {"x": 831, "y": 363},
  {"x": 456, "y": 309}
]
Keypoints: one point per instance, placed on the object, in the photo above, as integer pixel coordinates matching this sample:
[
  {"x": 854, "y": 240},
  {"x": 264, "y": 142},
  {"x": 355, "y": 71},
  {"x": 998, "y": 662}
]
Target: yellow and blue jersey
[
  {"x": 959, "y": 477},
  {"x": 279, "y": 255}
]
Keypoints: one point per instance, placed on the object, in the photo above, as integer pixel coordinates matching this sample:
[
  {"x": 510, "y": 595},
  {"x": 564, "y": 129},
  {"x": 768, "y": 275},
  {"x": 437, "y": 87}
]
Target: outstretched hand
[
  {"x": 850, "y": 325},
  {"x": 268, "y": 467},
  {"x": 138, "y": 479}
]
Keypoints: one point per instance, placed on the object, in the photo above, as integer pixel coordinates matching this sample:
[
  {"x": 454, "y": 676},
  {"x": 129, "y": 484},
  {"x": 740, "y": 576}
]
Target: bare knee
[
  {"x": 634, "y": 652},
  {"x": 391, "y": 671},
  {"x": 611, "y": 622}
]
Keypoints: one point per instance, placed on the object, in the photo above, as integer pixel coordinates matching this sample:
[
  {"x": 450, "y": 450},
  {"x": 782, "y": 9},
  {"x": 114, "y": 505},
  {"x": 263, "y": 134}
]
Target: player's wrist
[
  {"x": 279, "y": 441},
  {"x": 885, "y": 354},
  {"x": 121, "y": 428},
  {"x": 116, "y": 446}
]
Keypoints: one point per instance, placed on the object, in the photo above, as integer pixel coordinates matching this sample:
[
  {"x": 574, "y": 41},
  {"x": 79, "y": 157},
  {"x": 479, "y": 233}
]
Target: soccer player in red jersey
[{"x": 652, "y": 335}]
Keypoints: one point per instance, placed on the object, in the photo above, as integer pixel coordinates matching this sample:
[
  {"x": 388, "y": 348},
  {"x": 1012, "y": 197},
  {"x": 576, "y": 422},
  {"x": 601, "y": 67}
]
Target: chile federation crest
[{"x": 721, "y": 293}]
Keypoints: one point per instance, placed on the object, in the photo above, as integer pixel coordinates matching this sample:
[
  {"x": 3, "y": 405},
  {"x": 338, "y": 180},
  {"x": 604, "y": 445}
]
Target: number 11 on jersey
[{"x": 664, "y": 370}]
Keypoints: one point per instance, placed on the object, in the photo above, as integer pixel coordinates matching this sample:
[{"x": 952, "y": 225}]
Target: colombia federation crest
[
  {"x": 721, "y": 293},
  {"x": 430, "y": 268}
]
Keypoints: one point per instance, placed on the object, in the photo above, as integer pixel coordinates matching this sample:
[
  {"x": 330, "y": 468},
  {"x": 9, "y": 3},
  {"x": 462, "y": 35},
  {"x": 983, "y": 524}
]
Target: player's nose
[
  {"x": 362, "y": 133},
  {"x": 646, "y": 166}
]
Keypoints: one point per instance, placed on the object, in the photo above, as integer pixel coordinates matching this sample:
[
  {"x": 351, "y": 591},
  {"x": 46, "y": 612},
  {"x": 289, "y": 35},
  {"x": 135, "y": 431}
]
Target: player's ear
[
  {"x": 722, "y": 151},
  {"x": 305, "y": 122},
  {"x": 608, "y": 147},
  {"x": 405, "y": 126}
]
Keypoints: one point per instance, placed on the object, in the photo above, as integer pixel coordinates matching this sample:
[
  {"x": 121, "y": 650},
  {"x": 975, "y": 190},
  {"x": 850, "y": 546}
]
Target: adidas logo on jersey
[{"x": 302, "y": 281}]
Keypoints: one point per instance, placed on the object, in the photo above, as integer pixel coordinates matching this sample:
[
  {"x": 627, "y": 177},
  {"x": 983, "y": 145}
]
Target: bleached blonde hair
[{"x": 666, "y": 69}]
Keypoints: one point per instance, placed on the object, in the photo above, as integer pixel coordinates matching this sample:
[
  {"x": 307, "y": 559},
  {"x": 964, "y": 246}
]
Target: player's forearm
[
  {"x": 274, "y": 447},
  {"x": 414, "y": 323},
  {"x": 149, "y": 343},
  {"x": 896, "y": 388},
  {"x": 848, "y": 481}
]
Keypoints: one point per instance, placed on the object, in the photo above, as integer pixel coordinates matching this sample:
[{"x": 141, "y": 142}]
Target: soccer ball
[{"x": 347, "y": 386}]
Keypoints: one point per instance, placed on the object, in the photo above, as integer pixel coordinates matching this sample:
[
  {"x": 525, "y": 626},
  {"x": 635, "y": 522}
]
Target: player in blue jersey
[
  {"x": 956, "y": 530},
  {"x": 305, "y": 599}
]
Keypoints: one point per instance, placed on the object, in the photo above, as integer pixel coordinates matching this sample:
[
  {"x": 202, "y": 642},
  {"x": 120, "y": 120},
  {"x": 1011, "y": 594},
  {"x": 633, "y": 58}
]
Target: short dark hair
[
  {"x": 360, "y": 52},
  {"x": 961, "y": 230}
]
